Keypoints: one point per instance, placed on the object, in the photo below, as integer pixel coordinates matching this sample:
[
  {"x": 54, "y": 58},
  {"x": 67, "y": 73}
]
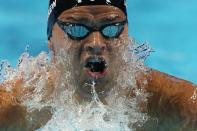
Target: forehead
[{"x": 94, "y": 12}]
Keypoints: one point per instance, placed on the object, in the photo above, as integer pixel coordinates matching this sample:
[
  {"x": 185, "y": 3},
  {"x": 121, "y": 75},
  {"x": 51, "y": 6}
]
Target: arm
[
  {"x": 172, "y": 99},
  {"x": 12, "y": 114}
]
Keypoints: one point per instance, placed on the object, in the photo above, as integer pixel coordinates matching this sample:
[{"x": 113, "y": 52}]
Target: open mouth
[{"x": 96, "y": 67}]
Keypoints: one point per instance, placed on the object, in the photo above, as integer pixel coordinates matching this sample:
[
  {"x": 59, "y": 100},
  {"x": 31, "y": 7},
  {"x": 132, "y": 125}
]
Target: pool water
[{"x": 168, "y": 26}]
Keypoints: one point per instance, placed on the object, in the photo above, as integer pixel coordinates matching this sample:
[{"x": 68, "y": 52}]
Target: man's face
[{"x": 95, "y": 57}]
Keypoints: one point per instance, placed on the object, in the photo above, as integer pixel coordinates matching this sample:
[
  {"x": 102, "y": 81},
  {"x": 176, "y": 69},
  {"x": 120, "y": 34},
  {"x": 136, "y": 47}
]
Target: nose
[{"x": 95, "y": 44}]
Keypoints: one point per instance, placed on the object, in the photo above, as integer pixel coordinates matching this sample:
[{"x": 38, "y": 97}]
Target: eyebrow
[
  {"x": 76, "y": 18},
  {"x": 109, "y": 19}
]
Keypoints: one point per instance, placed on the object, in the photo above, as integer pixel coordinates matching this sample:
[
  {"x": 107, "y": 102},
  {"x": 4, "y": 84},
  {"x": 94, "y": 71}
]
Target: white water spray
[{"x": 119, "y": 114}]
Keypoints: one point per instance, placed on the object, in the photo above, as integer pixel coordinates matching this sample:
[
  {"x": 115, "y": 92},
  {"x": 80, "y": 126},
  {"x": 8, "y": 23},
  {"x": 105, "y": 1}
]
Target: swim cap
[{"x": 56, "y": 7}]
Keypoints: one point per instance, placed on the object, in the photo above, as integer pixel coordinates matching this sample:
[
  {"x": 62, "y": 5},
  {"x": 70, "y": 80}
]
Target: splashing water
[
  {"x": 119, "y": 114},
  {"x": 93, "y": 116}
]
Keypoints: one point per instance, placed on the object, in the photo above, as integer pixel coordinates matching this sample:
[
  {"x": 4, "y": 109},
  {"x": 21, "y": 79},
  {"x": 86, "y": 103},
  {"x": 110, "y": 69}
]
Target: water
[
  {"x": 169, "y": 27},
  {"x": 68, "y": 113},
  {"x": 91, "y": 116}
]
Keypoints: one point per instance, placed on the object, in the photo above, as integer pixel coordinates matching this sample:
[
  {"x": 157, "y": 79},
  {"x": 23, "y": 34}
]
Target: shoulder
[
  {"x": 10, "y": 89},
  {"x": 170, "y": 96},
  {"x": 11, "y": 112},
  {"x": 10, "y": 92},
  {"x": 157, "y": 81}
]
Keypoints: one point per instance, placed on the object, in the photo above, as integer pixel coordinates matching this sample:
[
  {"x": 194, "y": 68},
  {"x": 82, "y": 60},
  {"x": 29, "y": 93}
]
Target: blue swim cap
[{"x": 56, "y": 7}]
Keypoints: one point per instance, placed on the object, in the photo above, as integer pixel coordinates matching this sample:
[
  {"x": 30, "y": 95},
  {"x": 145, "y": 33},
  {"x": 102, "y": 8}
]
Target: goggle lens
[
  {"x": 79, "y": 31},
  {"x": 112, "y": 31},
  {"x": 76, "y": 31}
]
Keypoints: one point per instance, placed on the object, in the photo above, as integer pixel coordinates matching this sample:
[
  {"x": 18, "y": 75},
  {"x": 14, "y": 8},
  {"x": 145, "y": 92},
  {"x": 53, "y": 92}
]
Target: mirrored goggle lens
[
  {"x": 76, "y": 31},
  {"x": 112, "y": 31}
]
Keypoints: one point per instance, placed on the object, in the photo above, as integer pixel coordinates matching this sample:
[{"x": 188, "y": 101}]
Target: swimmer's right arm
[{"x": 12, "y": 113}]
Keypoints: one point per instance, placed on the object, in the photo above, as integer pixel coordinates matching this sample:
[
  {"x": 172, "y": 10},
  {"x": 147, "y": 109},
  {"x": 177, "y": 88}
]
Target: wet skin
[
  {"x": 171, "y": 97},
  {"x": 93, "y": 46}
]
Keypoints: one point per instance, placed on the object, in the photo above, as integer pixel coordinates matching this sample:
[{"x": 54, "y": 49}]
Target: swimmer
[{"x": 93, "y": 33}]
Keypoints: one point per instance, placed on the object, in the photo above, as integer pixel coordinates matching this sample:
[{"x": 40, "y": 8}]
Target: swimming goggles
[{"x": 78, "y": 31}]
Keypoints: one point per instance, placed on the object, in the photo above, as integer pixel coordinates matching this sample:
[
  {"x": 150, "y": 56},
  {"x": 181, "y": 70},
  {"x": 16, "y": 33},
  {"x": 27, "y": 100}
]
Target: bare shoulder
[
  {"x": 10, "y": 91},
  {"x": 171, "y": 97},
  {"x": 169, "y": 85},
  {"x": 11, "y": 112}
]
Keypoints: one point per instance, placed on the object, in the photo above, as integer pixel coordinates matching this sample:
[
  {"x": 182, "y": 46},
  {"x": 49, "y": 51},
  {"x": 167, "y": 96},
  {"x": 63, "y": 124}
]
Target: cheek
[
  {"x": 61, "y": 40},
  {"x": 78, "y": 57}
]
